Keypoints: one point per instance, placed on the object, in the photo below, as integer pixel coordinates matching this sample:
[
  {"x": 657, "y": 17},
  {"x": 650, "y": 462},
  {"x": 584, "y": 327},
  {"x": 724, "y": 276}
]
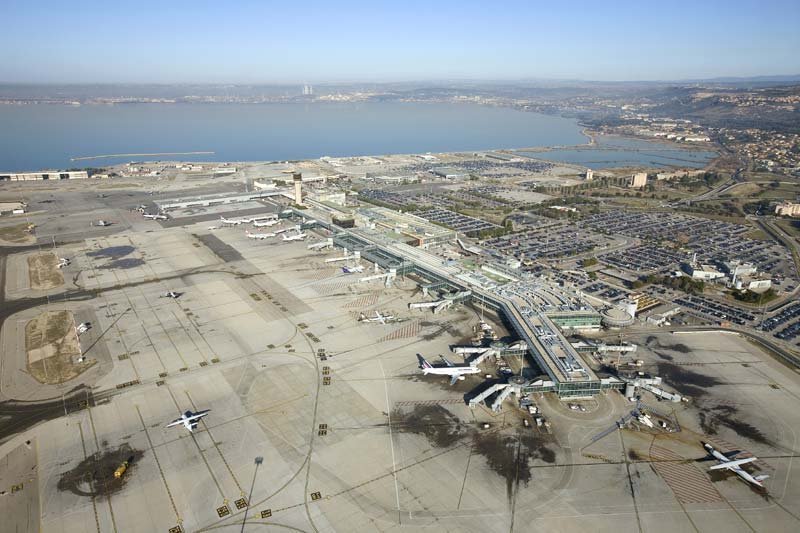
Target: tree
[{"x": 589, "y": 261}]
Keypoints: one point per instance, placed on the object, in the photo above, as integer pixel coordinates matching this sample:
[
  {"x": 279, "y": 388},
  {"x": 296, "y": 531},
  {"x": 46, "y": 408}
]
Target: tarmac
[{"x": 352, "y": 437}]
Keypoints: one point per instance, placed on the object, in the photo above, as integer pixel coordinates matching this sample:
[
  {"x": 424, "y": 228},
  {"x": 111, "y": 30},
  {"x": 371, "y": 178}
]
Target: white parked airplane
[
  {"x": 645, "y": 419},
  {"x": 377, "y": 318},
  {"x": 297, "y": 237},
  {"x": 265, "y": 224},
  {"x": 171, "y": 294},
  {"x": 728, "y": 463},
  {"x": 259, "y": 235},
  {"x": 456, "y": 372},
  {"x": 352, "y": 269},
  {"x": 189, "y": 419},
  {"x": 62, "y": 262},
  {"x": 157, "y": 216},
  {"x": 232, "y": 221}
]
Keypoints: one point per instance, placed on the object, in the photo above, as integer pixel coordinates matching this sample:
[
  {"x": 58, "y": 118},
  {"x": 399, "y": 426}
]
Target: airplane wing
[
  {"x": 446, "y": 361},
  {"x": 731, "y": 465},
  {"x": 175, "y": 422},
  {"x": 453, "y": 379}
]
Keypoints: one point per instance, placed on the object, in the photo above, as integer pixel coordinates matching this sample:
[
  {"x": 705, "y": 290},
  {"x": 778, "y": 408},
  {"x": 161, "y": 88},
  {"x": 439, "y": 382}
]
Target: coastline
[{"x": 593, "y": 140}]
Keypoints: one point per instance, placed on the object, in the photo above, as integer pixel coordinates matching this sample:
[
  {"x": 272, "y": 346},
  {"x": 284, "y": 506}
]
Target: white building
[
  {"x": 759, "y": 285},
  {"x": 589, "y": 174},
  {"x": 705, "y": 272},
  {"x": 638, "y": 180},
  {"x": 787, "y": 209},
  {"x": 338, "y": 198},
  {"x": 222, "y": 171},
  {"x": 16, "y": 208},
  {"x": 51, "y": 175},
  {"x": 736, "y": 268}
]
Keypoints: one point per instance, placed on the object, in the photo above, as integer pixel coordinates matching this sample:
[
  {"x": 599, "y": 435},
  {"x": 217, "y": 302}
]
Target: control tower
[{"x": 298, "y": 188}]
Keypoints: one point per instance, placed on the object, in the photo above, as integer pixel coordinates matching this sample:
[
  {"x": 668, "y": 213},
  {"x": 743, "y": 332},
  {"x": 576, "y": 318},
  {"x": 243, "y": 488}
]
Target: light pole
[{"x": 258, "y": 462}]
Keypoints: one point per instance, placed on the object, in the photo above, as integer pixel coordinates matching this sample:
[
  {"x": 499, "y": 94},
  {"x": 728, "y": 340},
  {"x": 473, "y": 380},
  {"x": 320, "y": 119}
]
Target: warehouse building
[{"x": 50, "y": 175}]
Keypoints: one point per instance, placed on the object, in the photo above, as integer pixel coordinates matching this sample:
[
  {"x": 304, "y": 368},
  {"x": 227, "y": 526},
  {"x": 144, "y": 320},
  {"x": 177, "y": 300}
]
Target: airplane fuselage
[
  {"x": 452, "y": 370},
  {"x": 726, "y": 463},
  {"x": 266, "y": 224}
]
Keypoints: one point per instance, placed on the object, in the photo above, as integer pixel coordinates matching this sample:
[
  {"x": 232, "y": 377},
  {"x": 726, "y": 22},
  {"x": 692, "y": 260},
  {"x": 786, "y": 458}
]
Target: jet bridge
[
  {"x": 327, "y": 243},
  {"x": 346, "y": 257},
  {"x": 388, "y": 276},
  {"x": 498, "y": 402},
  {"x": 488, "y": 392}
]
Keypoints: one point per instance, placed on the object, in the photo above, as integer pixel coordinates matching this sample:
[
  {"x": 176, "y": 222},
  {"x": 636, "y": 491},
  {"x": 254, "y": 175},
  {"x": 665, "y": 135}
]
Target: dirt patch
[
  {"x": 712, "y": 417},
  {"x": 685, "y": 381},
  {"x": 652, "y": 342},
  {"x": 43, "y": 271},
  {"x": 112, "y": 252},
  {"x": 510, "y": 456},
  {"x": 18, "y": 234},
  {"x": 53, "y": 348},
  {"x": 94, "y": 476},
  {"x": 441, "y": 427},
  {"x": 125, "y": 263},
  {"x": 663, "y": 355}
]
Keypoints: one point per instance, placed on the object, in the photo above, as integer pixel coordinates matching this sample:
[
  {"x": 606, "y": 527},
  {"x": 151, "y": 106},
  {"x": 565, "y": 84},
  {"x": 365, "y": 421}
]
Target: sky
[{"x": 293, "y": 41}]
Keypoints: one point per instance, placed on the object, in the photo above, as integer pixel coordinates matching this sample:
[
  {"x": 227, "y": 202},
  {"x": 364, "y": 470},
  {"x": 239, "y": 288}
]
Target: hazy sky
[{"x": 306, "y": 40}]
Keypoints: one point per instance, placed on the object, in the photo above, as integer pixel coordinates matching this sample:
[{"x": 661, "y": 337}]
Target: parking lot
[
  {"x": 467, "y": 225},
  {"x": 712, "y": 241},
  {"x": 716, "y": 311},
  {"x": 786, "y": 324},
  {"x": 644, "y": 259},
  {"x": 554, "y": 242},
  {"x": 605, "y": 291},
  {"x": 517, "y": 196}
]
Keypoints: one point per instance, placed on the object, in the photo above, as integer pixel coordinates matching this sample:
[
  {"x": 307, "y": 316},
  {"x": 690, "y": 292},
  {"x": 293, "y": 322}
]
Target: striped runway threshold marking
[
  {"x": 408, "y": 331},
  {"x": 446, "y": 401},
  {"x": 364, "y": 301},
  {"x": 326, "y": 288},
  {"x": 687, "y": 481}
]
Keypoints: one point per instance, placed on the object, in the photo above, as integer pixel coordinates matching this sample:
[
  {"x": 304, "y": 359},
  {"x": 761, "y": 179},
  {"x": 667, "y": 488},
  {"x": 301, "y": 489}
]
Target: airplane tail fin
[{"x": 423, "y": 363}]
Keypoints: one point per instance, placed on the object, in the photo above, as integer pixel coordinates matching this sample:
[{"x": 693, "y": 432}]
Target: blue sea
[
  {"x": 39, "y": 137},
  {"x": 615, "y": 152}
]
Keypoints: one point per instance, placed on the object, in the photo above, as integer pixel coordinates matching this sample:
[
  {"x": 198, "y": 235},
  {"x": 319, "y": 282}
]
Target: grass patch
[
  {"x": 17, "y": 234},
  {"x": 53, "y": 347},
  {"x": 43, "y": 271}
]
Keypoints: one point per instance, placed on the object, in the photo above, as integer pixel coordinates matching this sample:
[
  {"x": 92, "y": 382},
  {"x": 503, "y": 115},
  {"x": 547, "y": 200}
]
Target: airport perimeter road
[
  {"x": 716, "y": 191},
  {"x": 784, "y": 238}
]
